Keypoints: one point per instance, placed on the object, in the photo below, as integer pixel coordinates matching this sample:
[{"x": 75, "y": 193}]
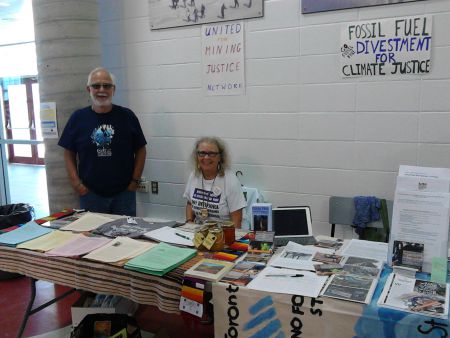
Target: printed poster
[
  {"x": 387, "y": 47},
  {"x": 49, "y": 125},
  {"x": 223, "y": 59}
]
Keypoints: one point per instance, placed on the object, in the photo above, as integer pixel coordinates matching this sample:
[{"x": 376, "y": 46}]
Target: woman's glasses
[
  {"x": 207, "y": 153},
  {"x": 99, "y": 85}
]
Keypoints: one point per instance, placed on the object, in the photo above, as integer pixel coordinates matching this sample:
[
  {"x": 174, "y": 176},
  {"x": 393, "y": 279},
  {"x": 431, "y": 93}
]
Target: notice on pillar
[
  {"x": 388, "y": 47},
  {"x": 223, "y": 59},
  {"x": 49, "y": 125}
]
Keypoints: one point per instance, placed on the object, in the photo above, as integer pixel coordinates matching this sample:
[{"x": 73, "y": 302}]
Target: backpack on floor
[{"x": 113, "y": 325}]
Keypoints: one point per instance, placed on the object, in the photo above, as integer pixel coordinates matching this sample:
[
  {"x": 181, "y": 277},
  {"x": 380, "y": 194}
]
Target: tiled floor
[
  {"x": 14, "y": 297},
  {"x": 28, "y": 184}
]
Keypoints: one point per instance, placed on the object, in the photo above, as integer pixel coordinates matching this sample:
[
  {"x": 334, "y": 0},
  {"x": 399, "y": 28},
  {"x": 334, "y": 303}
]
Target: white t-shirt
[{"x": 220, "y": 198}]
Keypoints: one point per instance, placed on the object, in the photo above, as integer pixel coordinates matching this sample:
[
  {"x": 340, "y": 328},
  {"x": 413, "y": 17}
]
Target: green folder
[{"x": 160, "y": 259}]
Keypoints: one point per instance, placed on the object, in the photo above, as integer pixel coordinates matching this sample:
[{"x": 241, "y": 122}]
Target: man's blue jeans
[{"x": 123, "y": 203}]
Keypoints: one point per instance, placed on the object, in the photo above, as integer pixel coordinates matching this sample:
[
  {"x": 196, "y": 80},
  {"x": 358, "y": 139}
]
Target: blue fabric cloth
[{"x": 366, "y": 211}]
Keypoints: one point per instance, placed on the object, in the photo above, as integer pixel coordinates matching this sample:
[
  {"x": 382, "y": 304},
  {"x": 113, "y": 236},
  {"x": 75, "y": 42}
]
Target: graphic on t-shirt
[
  {"x": 102, "y": 137},
  {"x": 203, "y": 199}
]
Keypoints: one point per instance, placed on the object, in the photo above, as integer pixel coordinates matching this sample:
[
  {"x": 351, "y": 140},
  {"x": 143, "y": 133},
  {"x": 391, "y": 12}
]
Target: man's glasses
[
  {"x": 209, "y": 153},
  {"x": 99, "y": 85}
]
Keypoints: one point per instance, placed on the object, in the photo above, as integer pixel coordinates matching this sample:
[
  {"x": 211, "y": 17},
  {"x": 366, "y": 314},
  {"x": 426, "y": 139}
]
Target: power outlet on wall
[
  {"x": 154, "y": 187},
  {"x": 143, "y": 186}
]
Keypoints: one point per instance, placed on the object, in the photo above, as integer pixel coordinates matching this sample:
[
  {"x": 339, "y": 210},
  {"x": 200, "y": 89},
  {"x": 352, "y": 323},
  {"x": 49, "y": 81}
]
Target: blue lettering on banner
[{"x": 264, "y": 317}]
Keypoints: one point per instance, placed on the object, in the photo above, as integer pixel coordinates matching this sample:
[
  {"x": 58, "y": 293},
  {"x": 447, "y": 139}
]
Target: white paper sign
[
  {"x": 49, "y": 125},
  {"x": 387, "y": 47},
  {"x": 223, "y": 59}
]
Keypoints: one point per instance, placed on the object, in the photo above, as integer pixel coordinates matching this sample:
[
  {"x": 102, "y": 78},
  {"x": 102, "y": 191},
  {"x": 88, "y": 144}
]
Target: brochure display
[{"x": 420, "y": 220}]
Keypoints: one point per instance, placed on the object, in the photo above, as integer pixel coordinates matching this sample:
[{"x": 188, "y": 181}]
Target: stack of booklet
[
  {"x": 160, "y": 259},
  {"x": 24, "y": 233},
  {"x": 415, "y": 295}
]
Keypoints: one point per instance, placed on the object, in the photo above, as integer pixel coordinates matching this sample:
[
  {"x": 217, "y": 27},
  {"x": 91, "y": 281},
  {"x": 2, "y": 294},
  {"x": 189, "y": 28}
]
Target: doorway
[{"x": 20, "y": 104}]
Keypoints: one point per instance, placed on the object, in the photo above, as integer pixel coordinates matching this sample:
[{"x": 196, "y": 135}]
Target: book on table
[
  {"x": 415, "y": 295},
  {"x": 209, "y": 269},
  {"x": 160, "y": 259}
]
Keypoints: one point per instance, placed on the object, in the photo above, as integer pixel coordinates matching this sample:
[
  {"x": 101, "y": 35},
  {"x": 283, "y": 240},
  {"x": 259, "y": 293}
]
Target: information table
[
  {"x": 162, "y": 292},
  {"x": 258, "y": 314}
]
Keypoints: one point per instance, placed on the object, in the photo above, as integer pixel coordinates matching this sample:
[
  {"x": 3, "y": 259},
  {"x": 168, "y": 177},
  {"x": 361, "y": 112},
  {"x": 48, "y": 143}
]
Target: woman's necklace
[{"x": 204, "y": 211}]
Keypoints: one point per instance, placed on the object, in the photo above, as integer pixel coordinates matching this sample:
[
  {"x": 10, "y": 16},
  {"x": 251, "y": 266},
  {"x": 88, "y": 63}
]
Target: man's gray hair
[{"x": 98, "y": 69}]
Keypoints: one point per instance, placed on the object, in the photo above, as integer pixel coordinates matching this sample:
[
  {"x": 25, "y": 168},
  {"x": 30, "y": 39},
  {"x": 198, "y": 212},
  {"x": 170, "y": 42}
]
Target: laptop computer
[{"x": 292, "y": 224}]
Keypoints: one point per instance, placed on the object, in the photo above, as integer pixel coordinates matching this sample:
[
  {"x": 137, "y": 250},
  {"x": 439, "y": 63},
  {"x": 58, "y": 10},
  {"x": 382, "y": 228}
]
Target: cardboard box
[{"x": 81, "y": 307}]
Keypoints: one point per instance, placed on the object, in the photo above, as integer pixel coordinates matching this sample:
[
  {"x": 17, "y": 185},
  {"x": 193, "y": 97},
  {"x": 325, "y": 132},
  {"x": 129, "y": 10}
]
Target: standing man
[{"x": 104, "y": 150}]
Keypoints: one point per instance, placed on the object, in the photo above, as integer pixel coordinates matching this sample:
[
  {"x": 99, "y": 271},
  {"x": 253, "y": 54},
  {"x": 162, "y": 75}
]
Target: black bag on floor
[
  {"x": 115, "y": 325},
  {"x": 13, "y": 214}
]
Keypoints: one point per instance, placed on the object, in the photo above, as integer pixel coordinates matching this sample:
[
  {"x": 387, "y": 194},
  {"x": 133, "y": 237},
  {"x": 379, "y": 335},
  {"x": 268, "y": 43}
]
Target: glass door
[{"x": 21, "y": 100}]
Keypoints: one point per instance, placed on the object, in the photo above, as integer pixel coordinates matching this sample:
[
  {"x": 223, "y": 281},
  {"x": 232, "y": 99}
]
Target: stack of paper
[
  {"x": 88, "y": 222},
  {"x": 172, "y": 236},
  {"x": 79, "y": 245},
  {"x": 119, "y": 250},
  {"x": 48, "y": 241},
  {"x": 160, "y": 259},
  {"x": 25, "y": 233},
  {"x": 289, "y": 281}
]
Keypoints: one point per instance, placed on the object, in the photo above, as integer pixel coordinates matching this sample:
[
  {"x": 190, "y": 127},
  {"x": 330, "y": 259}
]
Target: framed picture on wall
[
  {"x": 313, "y": 6},
  {"x": 177, "y": 13}
]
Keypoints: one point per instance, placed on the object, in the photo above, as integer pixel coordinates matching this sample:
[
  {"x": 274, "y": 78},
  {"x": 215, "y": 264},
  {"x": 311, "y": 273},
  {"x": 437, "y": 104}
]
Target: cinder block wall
[{"x": 300, "y": 133}]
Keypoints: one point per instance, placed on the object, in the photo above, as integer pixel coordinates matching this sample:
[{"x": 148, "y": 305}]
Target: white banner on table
[
  {"x": 386, "y": 47},
  {"x": 223, "y": 59}
]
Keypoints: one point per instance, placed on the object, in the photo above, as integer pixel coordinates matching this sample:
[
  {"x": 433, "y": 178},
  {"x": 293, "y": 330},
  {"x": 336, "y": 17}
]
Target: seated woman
[{"x": 213, "y": 192}]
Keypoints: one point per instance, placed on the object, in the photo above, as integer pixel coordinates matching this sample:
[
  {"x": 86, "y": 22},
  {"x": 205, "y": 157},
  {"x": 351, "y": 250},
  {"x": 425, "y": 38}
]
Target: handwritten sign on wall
[
  {"x": 388, "y": 47},
  {"x": 223, "y": 59}
]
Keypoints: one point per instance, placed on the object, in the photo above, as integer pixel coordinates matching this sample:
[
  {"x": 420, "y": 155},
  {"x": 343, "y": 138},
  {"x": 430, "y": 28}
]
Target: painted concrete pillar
[{"x": 67, "y": 48}]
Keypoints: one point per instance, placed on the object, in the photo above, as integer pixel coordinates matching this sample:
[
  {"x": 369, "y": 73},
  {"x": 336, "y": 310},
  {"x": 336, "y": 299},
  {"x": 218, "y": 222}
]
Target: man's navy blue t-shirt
[{"x": 105, "y": 145}]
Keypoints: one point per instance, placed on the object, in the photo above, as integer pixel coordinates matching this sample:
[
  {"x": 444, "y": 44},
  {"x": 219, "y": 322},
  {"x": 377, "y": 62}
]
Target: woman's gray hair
[
  {"x": 98, "y": 69},
  {"x": 223, "y": 152}
]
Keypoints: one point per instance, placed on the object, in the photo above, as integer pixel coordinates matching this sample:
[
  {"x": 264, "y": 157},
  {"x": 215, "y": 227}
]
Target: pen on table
[
  {"x": 283, "y": 275},
  {"x": 183, "y": 236}
]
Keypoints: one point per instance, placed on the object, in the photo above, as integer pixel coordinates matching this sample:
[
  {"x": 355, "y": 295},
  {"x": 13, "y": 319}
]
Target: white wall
[{"x": 301, "y": 133}]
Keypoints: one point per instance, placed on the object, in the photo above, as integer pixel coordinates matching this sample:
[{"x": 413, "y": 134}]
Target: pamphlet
[
  {"x": 356, "y": 281},
  {"x": 408, "y": 254},
  {"x": 414, "y": 295},
  {"x": 243, "y": 273},
  {"x": 261, "y": 241}
]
